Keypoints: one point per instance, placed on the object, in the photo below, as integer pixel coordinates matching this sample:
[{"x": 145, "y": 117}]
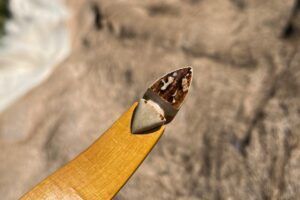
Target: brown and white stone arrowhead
[{"x": 162, "y": 100}]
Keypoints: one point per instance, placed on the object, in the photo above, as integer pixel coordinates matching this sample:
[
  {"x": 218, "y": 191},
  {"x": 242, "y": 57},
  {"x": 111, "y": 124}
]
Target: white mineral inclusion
[
  {"x": 175, "y": 93},
  {"x": 166, "y": 84},
  {"x": 184, "y": 84},
  {"x": 37, "y": 40}
]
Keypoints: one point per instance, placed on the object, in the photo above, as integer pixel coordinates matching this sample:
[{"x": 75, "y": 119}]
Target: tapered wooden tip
[{"x": 166, "y": 95}]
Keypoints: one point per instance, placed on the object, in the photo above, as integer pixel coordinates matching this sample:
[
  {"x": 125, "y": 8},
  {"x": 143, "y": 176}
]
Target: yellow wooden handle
[{"x": 101, "y": 170}]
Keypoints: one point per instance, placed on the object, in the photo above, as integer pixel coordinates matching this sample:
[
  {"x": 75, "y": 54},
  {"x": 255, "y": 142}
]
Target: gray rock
[{"x": 147, "y": 117}]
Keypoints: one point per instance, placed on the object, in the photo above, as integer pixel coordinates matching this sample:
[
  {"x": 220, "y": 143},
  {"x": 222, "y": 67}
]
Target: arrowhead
[
  {"x": 162, "y": 100},
  {"x": 147, "y": 116}
]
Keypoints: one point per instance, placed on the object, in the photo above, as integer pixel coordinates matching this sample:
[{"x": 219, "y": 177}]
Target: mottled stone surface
[
  {"x": 236, "y": 137},
  {"x": 174, "y": 86}
]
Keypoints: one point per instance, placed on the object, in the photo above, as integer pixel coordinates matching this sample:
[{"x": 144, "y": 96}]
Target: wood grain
[{"x": 101, "y": 170}]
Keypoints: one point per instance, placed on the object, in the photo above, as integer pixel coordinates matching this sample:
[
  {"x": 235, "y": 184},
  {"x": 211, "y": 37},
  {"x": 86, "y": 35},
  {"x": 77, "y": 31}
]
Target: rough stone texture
[{"x": 236, "y": 137}]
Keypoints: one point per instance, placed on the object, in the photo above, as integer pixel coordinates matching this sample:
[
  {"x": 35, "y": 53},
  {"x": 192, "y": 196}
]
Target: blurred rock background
[
  {"x": 4, "y": 14},
  {"x": 36, "y": 39},
  {"x": 236, "y": 137}
]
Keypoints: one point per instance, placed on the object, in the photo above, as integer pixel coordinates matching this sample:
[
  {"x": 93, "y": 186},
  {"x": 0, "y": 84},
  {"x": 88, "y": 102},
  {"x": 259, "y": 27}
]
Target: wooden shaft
[{"x": 101, "y": 170}]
